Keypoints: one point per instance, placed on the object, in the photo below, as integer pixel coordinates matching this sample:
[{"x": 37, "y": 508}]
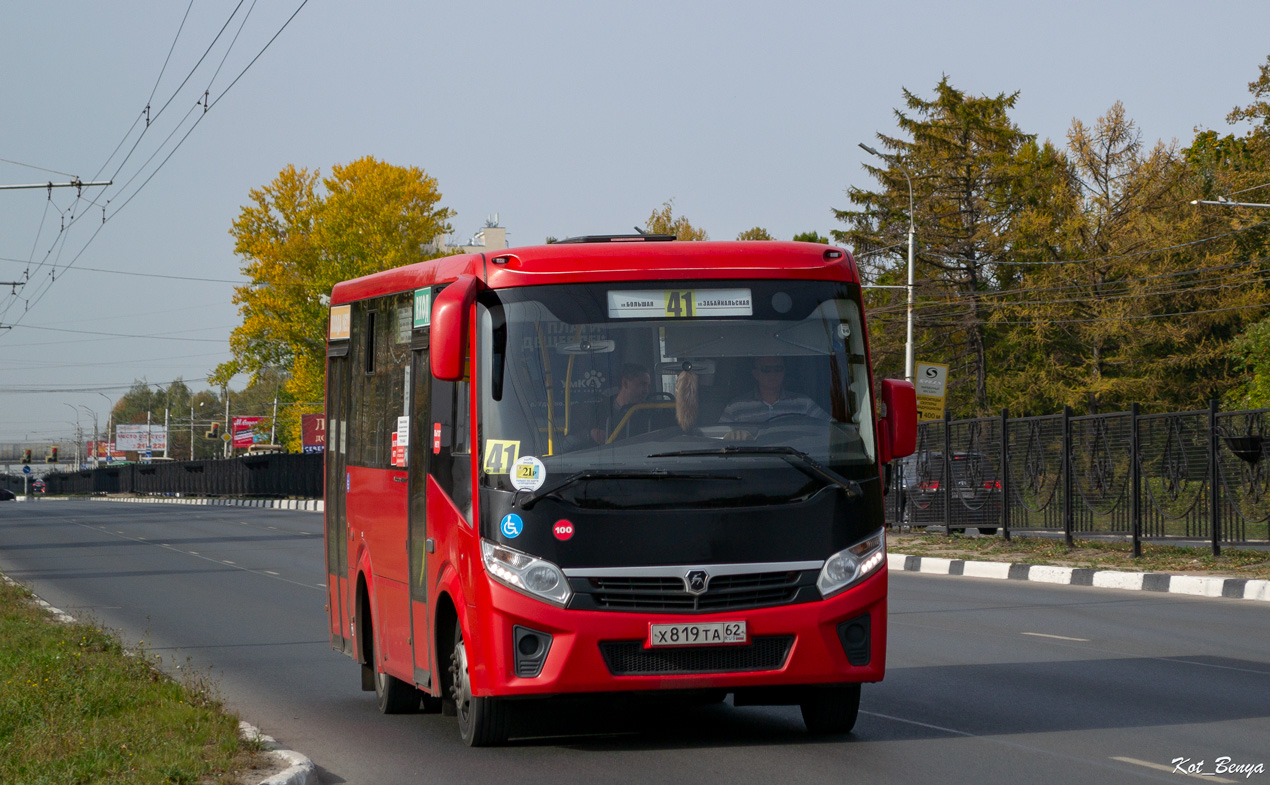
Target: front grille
[
  {"x": 630, "y": 658},
  {"x": 667, "y": 594}
]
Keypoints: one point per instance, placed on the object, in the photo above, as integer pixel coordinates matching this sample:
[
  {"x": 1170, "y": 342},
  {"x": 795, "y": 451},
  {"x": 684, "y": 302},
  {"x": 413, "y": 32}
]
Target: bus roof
[{"x": 613, "y": 261}]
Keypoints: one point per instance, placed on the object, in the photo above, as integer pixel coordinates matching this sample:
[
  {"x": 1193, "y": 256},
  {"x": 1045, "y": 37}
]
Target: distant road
[{"x": 988, "y": 681}]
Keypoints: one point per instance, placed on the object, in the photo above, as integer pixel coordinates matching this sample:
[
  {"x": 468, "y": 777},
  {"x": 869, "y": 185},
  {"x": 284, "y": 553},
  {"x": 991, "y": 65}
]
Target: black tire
[
  {"x": 395, "y": 696},
  {"x": 988, "y": 531},
  {"x": 483, "y": 722},
  {"x": 831, "y": 709}
]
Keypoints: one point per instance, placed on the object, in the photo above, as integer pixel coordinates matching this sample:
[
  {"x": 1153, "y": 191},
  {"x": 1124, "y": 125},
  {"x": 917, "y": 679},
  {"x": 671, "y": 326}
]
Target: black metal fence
[
  {"x": 1184, "y": 477},
  {"x": 276, "y": 475}
]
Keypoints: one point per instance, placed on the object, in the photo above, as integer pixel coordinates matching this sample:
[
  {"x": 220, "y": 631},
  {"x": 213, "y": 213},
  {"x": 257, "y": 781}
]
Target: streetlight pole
[
  {"x": 78, "y": 432},
  {"x": 908, "y": 331},
  {"x": 1224, "y": 202},
  {"x": 110, "y": 416},
  {"x": 96, "y": 444}
]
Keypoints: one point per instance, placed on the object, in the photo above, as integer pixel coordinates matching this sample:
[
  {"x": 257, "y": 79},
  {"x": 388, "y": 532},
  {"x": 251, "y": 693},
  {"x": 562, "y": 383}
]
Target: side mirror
[
  {"x": 898, "y": 423},
  {"x": 447, "y": 345}
]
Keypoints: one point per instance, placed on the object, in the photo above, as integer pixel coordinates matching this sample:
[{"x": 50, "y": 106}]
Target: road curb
[
  {"x": 300, "y": 505},
  {"x": 300, "y": 770},
  {"x": 1193, "y": 585}
]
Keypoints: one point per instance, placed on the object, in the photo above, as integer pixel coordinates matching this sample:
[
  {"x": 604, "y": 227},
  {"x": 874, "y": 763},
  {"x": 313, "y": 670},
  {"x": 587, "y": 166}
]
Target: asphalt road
[{"x": 988, "y": 681}]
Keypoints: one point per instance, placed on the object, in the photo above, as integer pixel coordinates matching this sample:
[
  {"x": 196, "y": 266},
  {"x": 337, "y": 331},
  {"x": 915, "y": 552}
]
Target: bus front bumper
[{"x": 589, "y": 651}]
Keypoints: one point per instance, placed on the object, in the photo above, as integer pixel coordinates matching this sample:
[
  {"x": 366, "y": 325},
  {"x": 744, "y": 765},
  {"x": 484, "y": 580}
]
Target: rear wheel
[
  {"x": 483, "y": 722},
  {"x": 395, "y": 696},
  {"x": 831, "y": 709}
]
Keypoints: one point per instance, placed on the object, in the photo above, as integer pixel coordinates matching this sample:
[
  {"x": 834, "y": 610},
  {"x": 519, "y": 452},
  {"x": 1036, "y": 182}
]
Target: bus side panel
[
  {"x": 392, "y": 627},
  {"x": 377, "y": 516},
  {"x": 377, "y": 525}
]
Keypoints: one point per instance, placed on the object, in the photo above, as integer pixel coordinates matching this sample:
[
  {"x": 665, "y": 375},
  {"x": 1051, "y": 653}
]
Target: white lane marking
[
  {"x": 323, "y": 585},
  {"x": 193, "y": 553},
  {"x": 1002, "y": 742},
  {"x": 228, "y": 562},
  {"x": 270, "y": 572},
  {"x": 1056, "y": 637},
  {"x": 1159, "y": 767}
]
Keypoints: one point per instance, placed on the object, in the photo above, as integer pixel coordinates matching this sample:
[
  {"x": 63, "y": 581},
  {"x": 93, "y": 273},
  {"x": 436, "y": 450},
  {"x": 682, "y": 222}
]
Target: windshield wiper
[
  {"x": 796, "y": 458},
  {"x": 611, "y": 474}
]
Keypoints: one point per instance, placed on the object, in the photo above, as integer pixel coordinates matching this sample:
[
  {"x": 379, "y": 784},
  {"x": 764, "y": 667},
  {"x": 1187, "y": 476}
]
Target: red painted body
[{"x": 376, "y": 560}]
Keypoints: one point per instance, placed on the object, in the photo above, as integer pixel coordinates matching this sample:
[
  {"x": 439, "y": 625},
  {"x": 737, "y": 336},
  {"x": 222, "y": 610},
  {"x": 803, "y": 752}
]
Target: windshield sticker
[
  {"x": 680, "y": 304},
  {"x": 563, "y": 529},
  {"x": 528, "y": 474},
  {"x": 511, "y": 525},
  {"x": 500, "y": 455}
]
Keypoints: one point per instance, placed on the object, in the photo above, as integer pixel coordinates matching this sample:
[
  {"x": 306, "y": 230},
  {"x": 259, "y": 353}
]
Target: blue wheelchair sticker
[{"x": 512, "y": 525}]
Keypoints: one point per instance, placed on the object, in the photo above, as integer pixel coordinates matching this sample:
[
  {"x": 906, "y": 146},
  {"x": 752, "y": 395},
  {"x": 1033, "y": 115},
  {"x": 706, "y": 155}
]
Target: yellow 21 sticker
[{"x": 500, "y": 455}]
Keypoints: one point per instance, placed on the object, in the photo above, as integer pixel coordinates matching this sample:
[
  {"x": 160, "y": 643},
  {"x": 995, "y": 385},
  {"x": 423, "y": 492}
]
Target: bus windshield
[{"x": 759, "y": 385}]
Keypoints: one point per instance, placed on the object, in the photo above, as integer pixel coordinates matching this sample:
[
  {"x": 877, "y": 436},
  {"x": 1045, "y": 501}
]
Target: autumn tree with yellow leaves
[{"x": 300, "y": 236}]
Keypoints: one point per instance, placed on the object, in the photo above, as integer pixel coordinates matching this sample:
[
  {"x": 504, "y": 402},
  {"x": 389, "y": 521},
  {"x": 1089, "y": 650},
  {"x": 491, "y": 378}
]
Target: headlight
[
  {"x": 850, "y": 566},
  {"x": 526, "y": 574}
]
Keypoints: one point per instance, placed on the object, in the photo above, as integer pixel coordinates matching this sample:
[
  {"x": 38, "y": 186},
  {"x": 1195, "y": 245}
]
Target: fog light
[{"x": 531, "y": 649}]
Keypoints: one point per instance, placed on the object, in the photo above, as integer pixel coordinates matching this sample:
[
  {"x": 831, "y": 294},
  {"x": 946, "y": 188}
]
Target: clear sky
[{"x": 562, "y": 118}]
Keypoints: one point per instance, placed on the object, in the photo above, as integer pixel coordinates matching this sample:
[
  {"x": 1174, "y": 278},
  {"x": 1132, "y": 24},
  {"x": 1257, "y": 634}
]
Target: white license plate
[{"x": 714, "y": 633}]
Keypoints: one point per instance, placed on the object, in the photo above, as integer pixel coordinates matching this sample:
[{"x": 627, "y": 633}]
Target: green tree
[
  {"x": 810, "y": 237},
  {"x": 298, "y": 240},
  {"x": 962, "y": 155},
  {"x": 663, "y": 221},
  {"x": 757, "y": 233}
]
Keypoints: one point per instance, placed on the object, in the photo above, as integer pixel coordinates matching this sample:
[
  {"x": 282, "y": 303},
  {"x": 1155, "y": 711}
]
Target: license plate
[{"x": 714, "y": 633}]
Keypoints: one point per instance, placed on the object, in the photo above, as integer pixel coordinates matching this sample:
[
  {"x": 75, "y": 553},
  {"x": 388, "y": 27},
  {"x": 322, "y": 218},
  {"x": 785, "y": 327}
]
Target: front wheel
[
  {"x": 483, "y": 722},
  {"x": 830, "y": 709}
]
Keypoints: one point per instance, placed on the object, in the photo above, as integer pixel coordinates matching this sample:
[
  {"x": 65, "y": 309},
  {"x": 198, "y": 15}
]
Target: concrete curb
[
  {"x": 301, "y": 505},
  {"x": 300, "y": 770},
  {"x": 1194, "y": 585}
]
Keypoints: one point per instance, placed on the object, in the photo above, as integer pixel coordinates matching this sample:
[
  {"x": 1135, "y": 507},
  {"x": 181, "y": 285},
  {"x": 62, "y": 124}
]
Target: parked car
[
  {"x": 7, "y": 495},
  {"x": 975, "y": 496}
]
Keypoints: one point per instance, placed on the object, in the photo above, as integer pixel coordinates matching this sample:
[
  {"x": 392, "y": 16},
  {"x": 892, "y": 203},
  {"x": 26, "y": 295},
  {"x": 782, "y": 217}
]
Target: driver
[
  {"x": 770, "y": 399},
  {"x": 636, "y": 382}
]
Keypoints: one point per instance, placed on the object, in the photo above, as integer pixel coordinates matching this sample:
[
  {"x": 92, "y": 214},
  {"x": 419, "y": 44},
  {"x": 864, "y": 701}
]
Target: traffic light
[
  {"x": 52, "y": 456},
  {"x": 26, "y": 456},
  {"x": 214, "y": 433}
]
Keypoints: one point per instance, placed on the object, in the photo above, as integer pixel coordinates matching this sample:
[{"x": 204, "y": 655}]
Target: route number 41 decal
[{"x": 500, "y": 455}]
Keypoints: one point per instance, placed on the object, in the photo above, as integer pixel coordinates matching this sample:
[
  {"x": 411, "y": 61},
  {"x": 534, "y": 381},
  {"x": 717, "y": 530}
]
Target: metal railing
[
  {"x": 291, "y": 475},
  {"x": 1186, "y": 478}
]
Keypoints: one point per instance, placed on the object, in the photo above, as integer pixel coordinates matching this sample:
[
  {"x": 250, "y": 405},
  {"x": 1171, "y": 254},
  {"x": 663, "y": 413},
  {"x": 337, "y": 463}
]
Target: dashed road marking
[{"x": 1056, "y": 637}]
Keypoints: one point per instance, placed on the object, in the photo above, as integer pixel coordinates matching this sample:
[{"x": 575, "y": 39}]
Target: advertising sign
[
  {"x": 133, "y": 437},
  {"x": 930, "y": 381},
  {"x": 313, "y": 432},
  {"x": 246, "y": 434}
]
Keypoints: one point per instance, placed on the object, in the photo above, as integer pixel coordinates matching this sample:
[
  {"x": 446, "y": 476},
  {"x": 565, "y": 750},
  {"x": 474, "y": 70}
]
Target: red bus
[{"x": 605, "y": 465}]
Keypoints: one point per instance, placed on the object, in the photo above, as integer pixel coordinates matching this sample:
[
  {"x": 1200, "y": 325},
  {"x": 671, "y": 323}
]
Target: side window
[{"x": 380, "y": 360}]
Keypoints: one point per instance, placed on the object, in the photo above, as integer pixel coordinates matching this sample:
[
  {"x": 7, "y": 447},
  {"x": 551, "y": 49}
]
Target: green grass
[
  {"x": 76, "y": 708},
  {"x": 1093, "y": 554}
]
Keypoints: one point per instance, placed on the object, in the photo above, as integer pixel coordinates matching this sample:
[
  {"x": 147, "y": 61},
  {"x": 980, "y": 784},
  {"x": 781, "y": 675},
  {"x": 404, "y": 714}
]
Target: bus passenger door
[
  {"x": 419, "y": 544},
  {"x": 337, "y": 592}
]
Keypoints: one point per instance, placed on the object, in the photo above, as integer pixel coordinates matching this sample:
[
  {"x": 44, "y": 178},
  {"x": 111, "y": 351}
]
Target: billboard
[
  {"x": 246, "y": 432},
  {"x": 313, "y": 432},
  {"x": 133, "y": 437}
]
